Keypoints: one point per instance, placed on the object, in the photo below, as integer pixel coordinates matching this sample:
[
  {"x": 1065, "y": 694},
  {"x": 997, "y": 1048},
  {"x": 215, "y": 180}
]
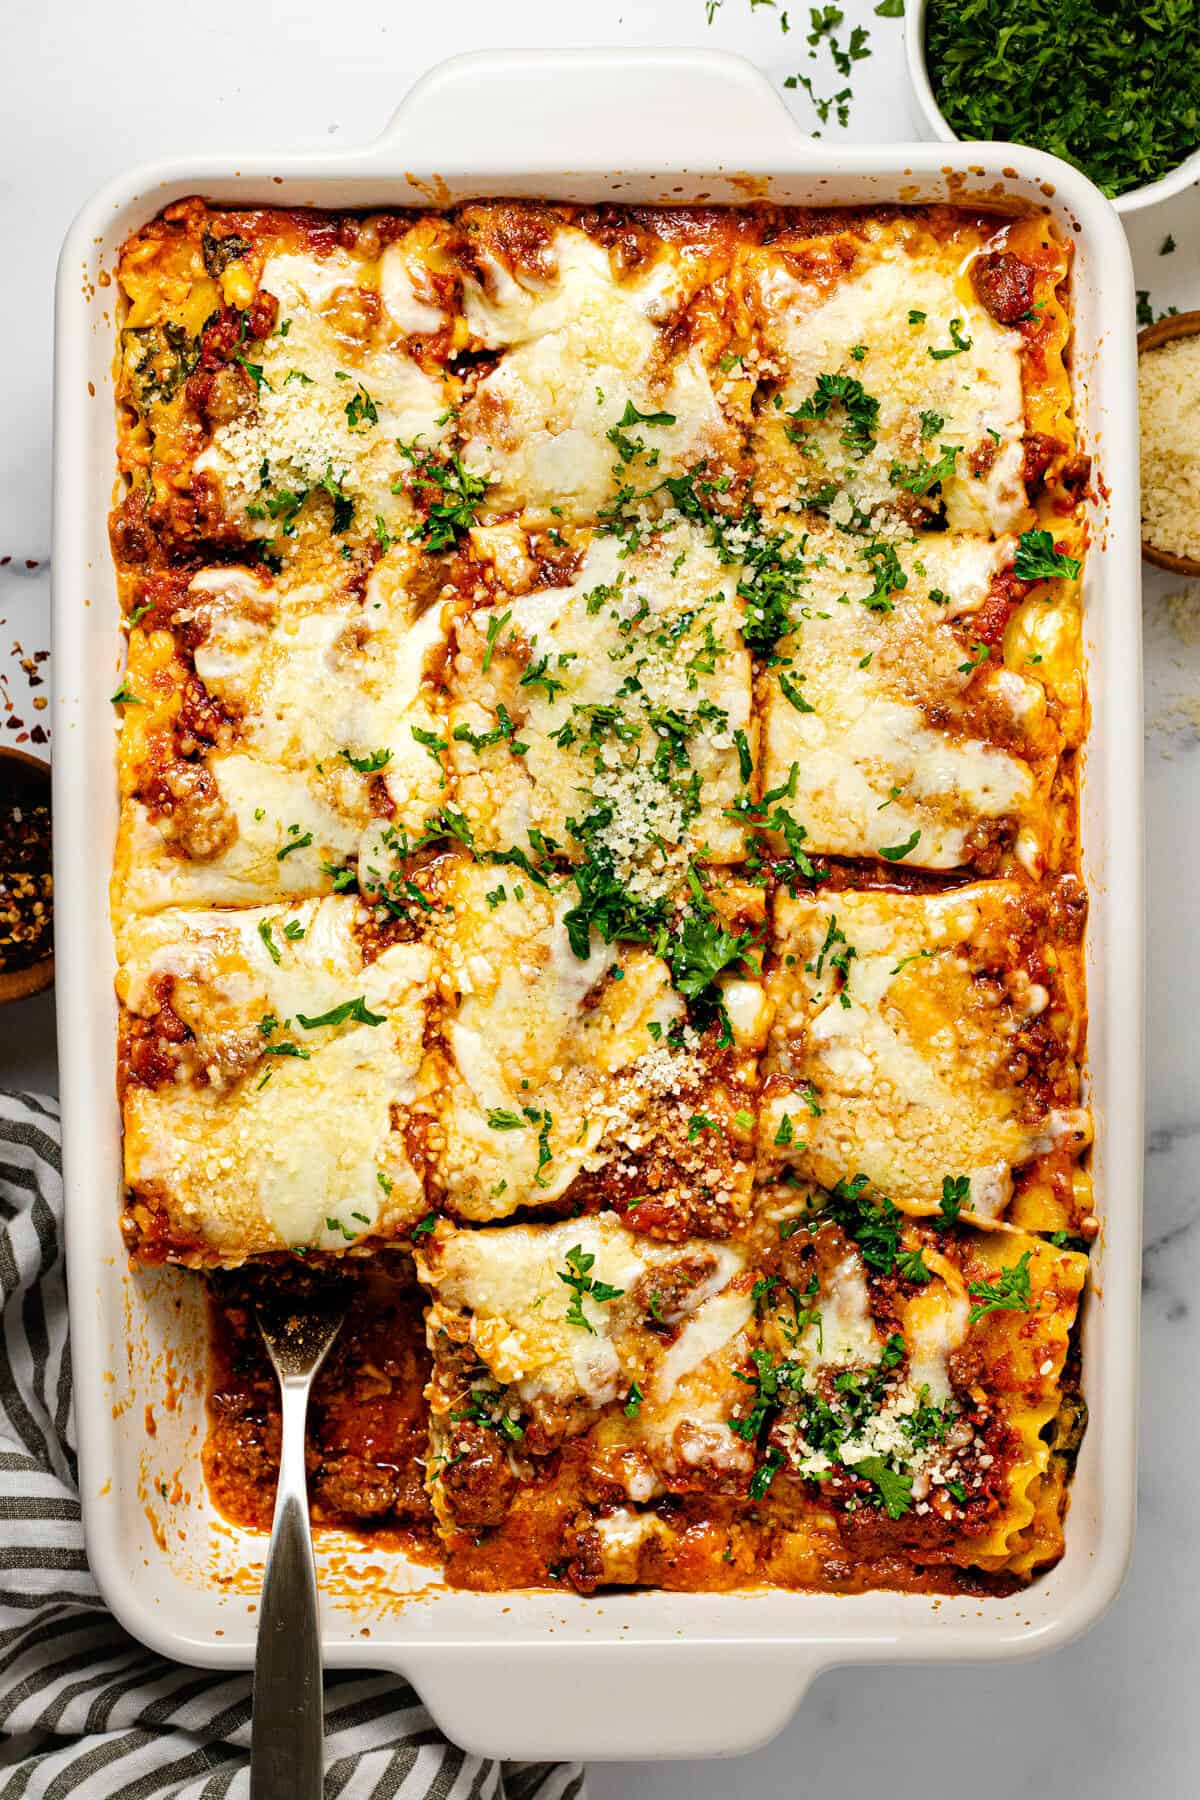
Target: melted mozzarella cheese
[
  {"x": 885, "y": 753},
  {"x": 275, "y": 1151},
  {"x": 314, "y": 683},
  {"x": 901, "y": 306},
  {"x": 330, "y": 403},
  {"x": 579, "y": 348},
  {"x": 532, "y": 1025},
  {"x": 651, "y": 634},
  {"x": 507, "y": 1289},
  {"x": 912, "y": 1073},
  {"x": 263, "y": 804}
]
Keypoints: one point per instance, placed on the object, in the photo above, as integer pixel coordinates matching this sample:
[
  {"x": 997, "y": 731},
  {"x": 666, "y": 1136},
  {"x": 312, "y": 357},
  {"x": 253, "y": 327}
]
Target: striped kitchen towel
[{"x": 85, "y": 1711}]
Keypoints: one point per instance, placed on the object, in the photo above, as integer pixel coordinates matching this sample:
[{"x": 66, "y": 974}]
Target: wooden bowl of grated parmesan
[{"x": 1169, "y": 402}]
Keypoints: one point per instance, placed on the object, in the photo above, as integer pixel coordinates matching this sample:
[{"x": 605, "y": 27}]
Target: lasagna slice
[
  {"x": 609, "y": 710},
  {"x": 584, "y": 1078},
  {"x": 926, "y": 1038},
  {"x": 894, "y": 726},
  {"x": 273, "y": 366},
  {"x": 606, "y": 351},
  {"x": 865, "y": 1390},
  {"x": 573, "y": 1358},
  {"x": 271, "y": 1066},
  {"x": 898, "y": 349},
  {"x": 266, "y": 725}
]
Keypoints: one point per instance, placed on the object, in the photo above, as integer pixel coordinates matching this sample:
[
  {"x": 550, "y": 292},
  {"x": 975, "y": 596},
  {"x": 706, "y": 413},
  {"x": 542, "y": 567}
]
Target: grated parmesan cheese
[{"x": 1168, "y": 388}]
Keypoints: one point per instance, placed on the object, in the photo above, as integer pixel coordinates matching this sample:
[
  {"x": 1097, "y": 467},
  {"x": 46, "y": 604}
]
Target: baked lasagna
[{"x": 598, "y": 874}]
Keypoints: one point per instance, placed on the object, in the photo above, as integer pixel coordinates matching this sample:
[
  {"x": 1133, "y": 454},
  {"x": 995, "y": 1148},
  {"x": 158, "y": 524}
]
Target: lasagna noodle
[
  {"x": 889, "y": 307},
  {"x": 578, "y": 1328},
  {"x": 586, "y": 352},
  {"x": 247, "y": 1130}
]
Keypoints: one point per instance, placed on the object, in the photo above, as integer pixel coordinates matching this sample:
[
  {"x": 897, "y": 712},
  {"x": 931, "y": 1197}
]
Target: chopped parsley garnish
[
  {"x": 958, "y": 343},
  {"x": 889, "y": 576},
  {"x": 875, "y": 1227},
  {"x": 433, "y": 745},
  {"x": 449, "y": 493},
  {"x": 264, "y": 932},
  {"x": 699, "y": 952},
  {"x": 485, "y": 1409},
  {"x": 504, "y": 731},
  {"x": 502, "y": 1118},
  {"x": 1038, "y": 560},
  {"x": 925, "y": 477},
  {"x": 911, "y": 1266},
  {"x": 628, "y": 448},
  {"x": 343, "y": 505},
  {"x": 792, "y": 694},
  {"x": 369, "y": 764},
  {"x": 633, "y": 1400},
  {"x": 123, "y": 697},
  {"x": 356, "y": 1010},
  {"x": 979, "y": 656},
  {"x": 299, "y": 841},
  {"x": 255, "y": 372},
  {"x": 424, "y": 1226},
  {"x": 1008, "y": 1292},
  {"x": 897, "y": 852},
  {"x": 361, "y": 411},
  {"x": 956, "y": 1191},
  {"x": 577, "y": 1277},
  {"x": 495, "y": 626},
  {"x": 894, "y": 1487},
  {"x": 861, "y": 408},
  {"x": 1113, "y": 89}
]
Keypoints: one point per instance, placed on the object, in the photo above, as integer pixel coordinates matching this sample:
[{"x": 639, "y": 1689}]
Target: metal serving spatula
[{"x": 286, "y": 1734}]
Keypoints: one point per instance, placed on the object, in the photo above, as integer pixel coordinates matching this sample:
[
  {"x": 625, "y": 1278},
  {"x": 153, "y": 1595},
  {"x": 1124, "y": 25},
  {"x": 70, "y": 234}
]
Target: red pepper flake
[{"x": 26, "y": 883}]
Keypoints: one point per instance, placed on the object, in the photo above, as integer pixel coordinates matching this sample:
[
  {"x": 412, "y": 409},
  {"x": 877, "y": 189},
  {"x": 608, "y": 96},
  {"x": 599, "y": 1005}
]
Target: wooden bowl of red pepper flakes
[{"x": 26, "y": 881}]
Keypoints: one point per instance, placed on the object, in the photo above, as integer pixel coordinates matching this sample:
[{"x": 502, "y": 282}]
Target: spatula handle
[{"x": 286, "y": 1760}]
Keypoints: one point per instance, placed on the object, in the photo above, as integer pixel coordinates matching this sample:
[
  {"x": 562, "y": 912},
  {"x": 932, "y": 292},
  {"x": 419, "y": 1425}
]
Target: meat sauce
[{"x": 366, "y": 1417}]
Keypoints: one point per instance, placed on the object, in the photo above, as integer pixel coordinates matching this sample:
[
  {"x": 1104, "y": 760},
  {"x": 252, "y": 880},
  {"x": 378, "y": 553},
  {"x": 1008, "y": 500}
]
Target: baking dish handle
[
  {"x": 640, "y": 110},
  {"x": 632, "y": 1700}
]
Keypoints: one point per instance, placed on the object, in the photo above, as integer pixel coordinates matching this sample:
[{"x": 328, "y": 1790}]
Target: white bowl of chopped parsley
[{"x": 1112, "y": 86}]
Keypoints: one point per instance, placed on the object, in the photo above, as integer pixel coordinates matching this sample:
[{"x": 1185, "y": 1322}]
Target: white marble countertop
[{"x": 91, "y": 92}]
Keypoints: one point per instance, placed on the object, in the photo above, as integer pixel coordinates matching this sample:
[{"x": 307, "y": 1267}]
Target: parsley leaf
[
  {"x": 1008, "y": 1292},
  {"x": 895, "y": 1488},
  {"x": 861, "y": 408},
  {"x": 577, "y": 1276},
  {"x": 337, "y": 1015},
  {"x": 1038, "y": 560},
  {"x": 897, "y": 852},
  {"x": 958, "y": 343}
]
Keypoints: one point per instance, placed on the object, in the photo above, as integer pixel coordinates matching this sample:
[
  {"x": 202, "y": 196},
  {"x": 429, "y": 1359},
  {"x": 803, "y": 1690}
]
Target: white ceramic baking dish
[{"x": 553, "y": 1674}]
